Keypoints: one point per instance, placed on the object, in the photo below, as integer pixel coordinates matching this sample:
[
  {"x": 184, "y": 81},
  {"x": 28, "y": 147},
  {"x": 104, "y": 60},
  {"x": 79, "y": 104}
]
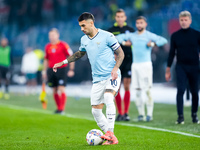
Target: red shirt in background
[{"x": 57, "y": 53}]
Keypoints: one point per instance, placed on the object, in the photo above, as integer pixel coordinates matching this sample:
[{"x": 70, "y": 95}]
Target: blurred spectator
[
  {"x": 29, "y": 67},
  {"x": 34, "y": 12},
  {"x": 5, "y": 63},
  {"x": 4, "y": 12},
  {"x": 140, "y": 6},
  {"x": 48, "y": 11}
]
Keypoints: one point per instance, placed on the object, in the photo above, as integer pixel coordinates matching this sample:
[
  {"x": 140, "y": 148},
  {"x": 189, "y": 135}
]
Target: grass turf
[{"x": 24, "y": 125}]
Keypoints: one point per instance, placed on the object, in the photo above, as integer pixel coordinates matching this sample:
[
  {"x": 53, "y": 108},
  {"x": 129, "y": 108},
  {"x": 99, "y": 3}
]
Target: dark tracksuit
[{"x": 185, "y": 45}]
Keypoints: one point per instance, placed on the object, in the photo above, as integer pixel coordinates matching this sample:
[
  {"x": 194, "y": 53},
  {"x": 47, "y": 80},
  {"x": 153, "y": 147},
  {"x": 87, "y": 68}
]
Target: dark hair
[
  {"x": 86, "y": 16},
  {"x": 119, "y": 11},
  {"x": 141, "y": 17}
]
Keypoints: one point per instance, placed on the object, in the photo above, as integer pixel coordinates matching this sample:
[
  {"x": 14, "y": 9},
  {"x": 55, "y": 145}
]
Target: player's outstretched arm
[
  {"x": 70, "y": 59},
  {"x": 119, "y": 59}
]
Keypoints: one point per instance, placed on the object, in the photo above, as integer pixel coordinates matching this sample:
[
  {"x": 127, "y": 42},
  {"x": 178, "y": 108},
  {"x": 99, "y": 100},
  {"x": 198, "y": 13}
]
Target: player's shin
[
  {"x": 140, "y": 103},
  {"x": 110, "y": 110},
  {"x": 57, "y": 101},
  {"x": 63, "y": 99},
  {"x": 127, "y": 96},
  {"x": 149, "y": 103},
  {"x": 100, "y": 119}
]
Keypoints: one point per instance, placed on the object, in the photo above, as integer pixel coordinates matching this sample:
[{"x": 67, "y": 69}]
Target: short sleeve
[
  {"x": 68, "y": 50},
  {"x": 112, "y": 42},
  {"x": 82, "y": 46},
  {"x": 46, "y": 52}
]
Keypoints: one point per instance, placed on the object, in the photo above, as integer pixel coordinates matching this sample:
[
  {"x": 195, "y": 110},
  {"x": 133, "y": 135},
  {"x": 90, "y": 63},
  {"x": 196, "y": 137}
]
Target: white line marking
[{"x": 91, "y": 119}]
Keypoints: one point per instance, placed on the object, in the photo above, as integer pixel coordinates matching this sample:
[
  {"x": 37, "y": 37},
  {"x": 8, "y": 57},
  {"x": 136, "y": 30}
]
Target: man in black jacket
[
  {"x": 121, "y": 27},
  {"x": 185, "y": 45}
]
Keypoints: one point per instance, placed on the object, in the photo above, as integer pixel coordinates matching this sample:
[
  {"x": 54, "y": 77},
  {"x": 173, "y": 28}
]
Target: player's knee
[
  {"x": 126, "y": 88},
  {"x": 61, "y": 89},
  {"x": 138, "y": 93},
  {"x": 181, "y": 91},
  {"x": 109, "y": 98}
]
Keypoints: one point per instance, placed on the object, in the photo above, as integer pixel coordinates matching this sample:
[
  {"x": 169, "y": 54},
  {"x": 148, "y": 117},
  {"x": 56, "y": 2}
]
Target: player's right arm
[
  {"x": 70, "y": 59},
  {"x": 45, "y": 67},
  {"x": 124, "y": 39},
  {"x": 170, "y": 58},
  {"x": 45, "y": 64}
]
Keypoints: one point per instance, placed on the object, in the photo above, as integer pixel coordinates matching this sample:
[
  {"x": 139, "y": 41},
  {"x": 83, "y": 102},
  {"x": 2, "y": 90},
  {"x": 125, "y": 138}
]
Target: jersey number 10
[{"x": 113, "y": 82}]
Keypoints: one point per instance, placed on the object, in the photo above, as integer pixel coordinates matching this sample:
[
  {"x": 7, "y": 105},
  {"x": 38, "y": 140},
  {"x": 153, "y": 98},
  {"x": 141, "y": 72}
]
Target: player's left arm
[
  {"x": 124, "y": 39},
  {"x": 119, "y": 59},
  {"x": 156, "y": 40}
]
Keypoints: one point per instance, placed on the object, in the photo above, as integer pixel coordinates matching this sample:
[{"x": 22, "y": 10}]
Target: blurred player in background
[
  {"x": 185, "y": 44},
  {"x": 100, "y": 47},
  {"x": 120, "y": 26},
  {"x": 29, "y": 67},
  {"x": 5, "y": 64},
  {"x": 143, "y": 41},
  {"x": 56, "y": 51}
]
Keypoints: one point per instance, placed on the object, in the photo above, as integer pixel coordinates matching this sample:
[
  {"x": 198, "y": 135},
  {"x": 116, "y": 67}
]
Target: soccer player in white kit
[
  {"x": 100, "y": 47},
  {"x": 142, "y": 73}
]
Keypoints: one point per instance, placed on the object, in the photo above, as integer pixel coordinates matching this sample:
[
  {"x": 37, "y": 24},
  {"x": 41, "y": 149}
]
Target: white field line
[{"x": 91, "y": 119}]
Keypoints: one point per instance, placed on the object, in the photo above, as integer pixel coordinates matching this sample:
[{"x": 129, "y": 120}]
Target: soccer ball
[{"x": 93, "y": 137}]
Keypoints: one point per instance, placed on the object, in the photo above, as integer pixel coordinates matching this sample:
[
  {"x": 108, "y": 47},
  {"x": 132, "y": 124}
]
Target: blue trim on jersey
[
  {"x": 94, "y": 36},
  {"x": 113, "y": 44}
]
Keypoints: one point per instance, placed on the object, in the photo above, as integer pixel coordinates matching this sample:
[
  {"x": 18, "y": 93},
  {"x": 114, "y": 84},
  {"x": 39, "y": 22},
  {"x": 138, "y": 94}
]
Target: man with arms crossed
[
  {"x": 185, "y": 45},
  {"x": 100, "y": 47},
  {"x": 142, "y": 73},
  {"x": 119, "y": 27}
]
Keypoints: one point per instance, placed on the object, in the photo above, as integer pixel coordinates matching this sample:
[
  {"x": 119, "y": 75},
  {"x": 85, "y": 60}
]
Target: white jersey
[
  {"x": 100, "y": 50},
  {"x": 30, "y": 63}
]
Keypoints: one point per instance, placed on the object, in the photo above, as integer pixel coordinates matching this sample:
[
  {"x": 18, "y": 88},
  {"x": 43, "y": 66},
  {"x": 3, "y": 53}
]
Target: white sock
[
  {"x": 100, "y": 118},
  {"x": 110, "y": 110},
  {"x": 149, "y": 103},
  {"x": 140, "y": 102}
]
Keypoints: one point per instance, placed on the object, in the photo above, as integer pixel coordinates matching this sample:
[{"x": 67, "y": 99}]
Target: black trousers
[{"x": 186, "y": 73}]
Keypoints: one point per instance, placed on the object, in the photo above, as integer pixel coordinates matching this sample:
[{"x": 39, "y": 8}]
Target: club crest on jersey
[
  {"x": 98, "y": 43},
  {"x": 53, "y": 50}
]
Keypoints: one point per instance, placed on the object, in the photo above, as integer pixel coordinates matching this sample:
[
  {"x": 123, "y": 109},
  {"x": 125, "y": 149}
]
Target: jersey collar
[{"x": 93, "y": 36}]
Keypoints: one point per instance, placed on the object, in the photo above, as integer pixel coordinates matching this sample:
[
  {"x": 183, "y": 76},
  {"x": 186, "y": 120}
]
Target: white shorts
[
  {"x": 98, "y": 89},
  {"x": 142, "y": 74}
]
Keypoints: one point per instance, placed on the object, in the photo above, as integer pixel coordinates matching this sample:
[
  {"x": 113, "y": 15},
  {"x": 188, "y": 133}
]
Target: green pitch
[{"x": 25, "y": 126}]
